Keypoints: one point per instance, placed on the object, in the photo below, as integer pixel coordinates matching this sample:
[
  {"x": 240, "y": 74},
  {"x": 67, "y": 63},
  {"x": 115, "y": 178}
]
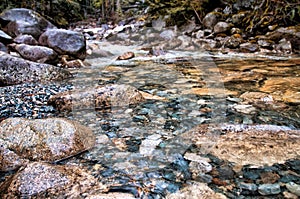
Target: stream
[
  {"x": 140, "y": 149},
  {"x": 191, "y": 88}
]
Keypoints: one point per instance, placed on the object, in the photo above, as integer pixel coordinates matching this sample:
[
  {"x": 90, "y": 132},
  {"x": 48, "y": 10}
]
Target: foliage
[
  {"x": 272, "y": 12},
  {"x": 179, "y": 11}
]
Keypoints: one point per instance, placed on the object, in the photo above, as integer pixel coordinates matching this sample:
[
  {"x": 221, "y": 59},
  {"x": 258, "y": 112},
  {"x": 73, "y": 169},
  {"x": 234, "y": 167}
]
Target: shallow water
[
  {"x": 197, "y": 88},
  {"x": 142, "y": 146}
]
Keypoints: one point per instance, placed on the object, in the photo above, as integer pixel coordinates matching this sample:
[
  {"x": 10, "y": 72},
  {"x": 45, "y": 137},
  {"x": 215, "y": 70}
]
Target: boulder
[
  {"x": 43, "y": 180},
  {"x": 101, "y": 97},
  {"x": 40, "y": 54},
  {"x": 47, "y": 140},
  {"x": 221, "y": 27},
  {"x": 26, "y": 39},
  {"x": 15, "y": 70},
  {"x": 65, "y": 42},
  {"x": 211, "y": 19},
  {"x": 24, "y": 21}
]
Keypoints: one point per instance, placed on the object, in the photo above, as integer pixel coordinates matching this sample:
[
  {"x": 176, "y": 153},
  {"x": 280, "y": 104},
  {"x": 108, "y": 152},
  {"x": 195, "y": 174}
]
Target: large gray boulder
[
  {"x": 24, "y": 21},
  {"x": 47, "y": 140},
  {"x": 15, "y": 70},
  {"x": 65, "y": 42}
]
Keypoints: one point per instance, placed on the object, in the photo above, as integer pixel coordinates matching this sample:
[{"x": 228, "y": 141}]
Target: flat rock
[
  {"x": 47, "y": 140},
  {"x": 43, "y": 180},
  {"x": 286, "y": 89},
  {"x": 15, "y": 70},
  {"x": 247, "y": 144},
  {"x": 100, "y": 97}
]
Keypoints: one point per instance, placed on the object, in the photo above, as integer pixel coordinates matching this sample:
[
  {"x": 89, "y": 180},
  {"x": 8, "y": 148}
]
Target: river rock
[
  {"x": 65, "y": 42},
  {"x": 221, "y": 27},
  {"x": 40, "y": 54},
  {"x": 48, "y": 140},
  {"x": 247, "y": 144},
  {"x": 234, "y": 41},
  {"x": 248, "y": 47},
  {"x": 15, "y": 70},
  {"x": 43, "y": 180},
  {"x": 24, "y": 21},
  {"x": 291, "y": 34},
  {"x": 211, "y": 19},
  {"x": 101, "y": 97},
  {"x": 269, "y": 189},
  {"x": 293, "y": 188},
  {"x": 196, "y": 190},
  {"x": 26, "y": 39},
  {"x": 284, "y": 89},
  {"x": 284, "y": 46}
]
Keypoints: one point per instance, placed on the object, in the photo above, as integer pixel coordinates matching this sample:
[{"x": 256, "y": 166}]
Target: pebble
[
  {"x": 269, "y": 189},
  {"x": 29, "y": 100},
  {"x": 248, "y": 188}
]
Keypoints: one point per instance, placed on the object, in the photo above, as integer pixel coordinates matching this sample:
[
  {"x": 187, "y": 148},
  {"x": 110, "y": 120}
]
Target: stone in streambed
[
  {"x": 43, "y": 180},
  {"x": 101, "y": 97},
  {"x": 269, "y": 189},
  {"x": 247, "y": 144},
  {"x": 47, "y": 140}
]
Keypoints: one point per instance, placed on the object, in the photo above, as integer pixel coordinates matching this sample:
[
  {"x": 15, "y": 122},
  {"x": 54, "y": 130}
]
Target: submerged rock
[
  {"x": 248, "y": 144},
  {"x": 196, "y": 190},
  {"x": 15, "y": 70},
  {"x": 284, "y": 89},
  {"x": 43, "y": 180},
  {"x": 48, "y": 140},
  {"x": 101, "y": 97}
]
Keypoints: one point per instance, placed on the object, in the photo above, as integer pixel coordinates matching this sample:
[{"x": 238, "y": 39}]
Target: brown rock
[
  {"x": 42, "y": 180},
  {"x": 101, "y": 97},
  {"x": 126, "y": 56},
  {"x": 286, "y": 89},
  {"x": 247, "y": 144},
  {"x": 196, "y": 191},
  {"x": 48, "y": 140}
]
